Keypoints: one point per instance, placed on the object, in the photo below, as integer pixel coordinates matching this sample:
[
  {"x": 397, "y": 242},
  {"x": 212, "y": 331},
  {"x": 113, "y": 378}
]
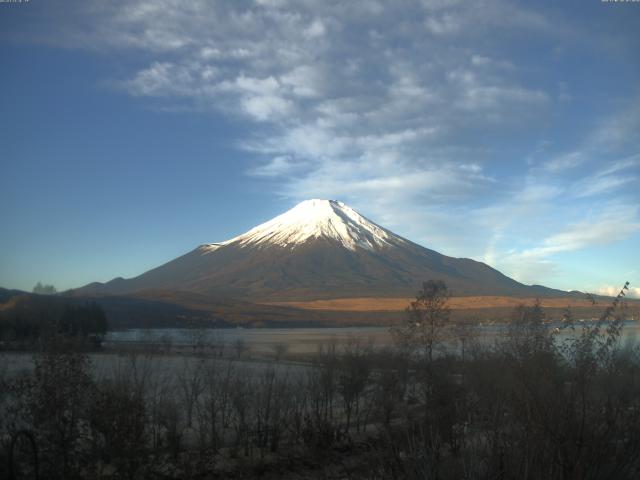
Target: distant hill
[
  {"x": 166, "y": 309},
  {"x": 6, "y": 294}
]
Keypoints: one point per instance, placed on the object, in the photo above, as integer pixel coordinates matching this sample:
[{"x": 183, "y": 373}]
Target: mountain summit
[
  {"x": 315, "y": 219},
  {"x": 319, "y": 249}
]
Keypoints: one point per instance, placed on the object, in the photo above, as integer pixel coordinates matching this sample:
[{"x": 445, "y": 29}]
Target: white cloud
[
  {"x": 276, "y": 167},
  {"x": 316, "y": 29},
  {"x": 620, "y": 130},
  {"x": 564, "y": 162},
  {"x": 443, "y": 24},
  {"x": 271, "y": 3},
  {"x": 609, "y": 177},
  {"x": 460, "y": 18},
  {"x": 162, "y": 79},
  {"x": 266, "y": 107},
  {"x": 285, "y": 57},
  {"x": 530, "y": 265},
  {"x": 304, "y": 81},
  {"x": 612, "y": 291},
  {"x": 485, "y": 61},
  {"x": 609, "y": 227},
  {"x": 620, "y": 165},
  {"x": 598, "y": 185},
  {"x": 488, "y": 97},
  {"x": 260, "y": 86}
]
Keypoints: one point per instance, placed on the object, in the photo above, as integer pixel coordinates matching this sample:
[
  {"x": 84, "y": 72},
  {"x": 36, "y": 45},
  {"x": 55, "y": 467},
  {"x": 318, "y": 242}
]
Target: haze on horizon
[{"x": 497, "y": 130}]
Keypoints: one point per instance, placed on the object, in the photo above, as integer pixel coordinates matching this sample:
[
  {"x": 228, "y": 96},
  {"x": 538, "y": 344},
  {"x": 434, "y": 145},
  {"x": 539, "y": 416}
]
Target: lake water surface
[{"x": 306, "y": 340}]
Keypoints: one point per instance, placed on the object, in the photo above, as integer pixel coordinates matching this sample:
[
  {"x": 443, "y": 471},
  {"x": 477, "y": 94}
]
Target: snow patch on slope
[
  {"x": 319, "y": 219},
  {"x": 209, "y": 247}
]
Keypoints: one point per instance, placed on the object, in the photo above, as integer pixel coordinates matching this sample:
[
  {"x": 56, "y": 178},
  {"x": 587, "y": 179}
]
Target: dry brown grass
[{"x": 455, "y": 303}]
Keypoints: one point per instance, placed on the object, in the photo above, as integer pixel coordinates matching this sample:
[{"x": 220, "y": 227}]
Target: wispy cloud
[
  {"x": 608, "y": 226},
  {"x": 621, "y": 130},
  {"x": 608, "y": 178},
  {"x": 565, "y": 162},
  {"x": 276, "y": 167}
]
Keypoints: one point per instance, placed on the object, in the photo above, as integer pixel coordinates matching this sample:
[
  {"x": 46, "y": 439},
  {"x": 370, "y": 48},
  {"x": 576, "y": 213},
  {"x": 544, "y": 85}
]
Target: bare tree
[
  {"x": 191, "y": 386},
  {"x": 426, "y": 319},
  {"x": 240, "y": 347},
  {"x": 354, "y": 371},
  {"x": 118, "y": 422},
  {"x": 279, "y": 350},
  {"x": 215, "y": 407},
  {"x": 57, "y": 402},
  {"x": 464, "y": 333}
]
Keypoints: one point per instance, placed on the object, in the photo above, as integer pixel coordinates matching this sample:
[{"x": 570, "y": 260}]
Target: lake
[{"x": 303, "y": 340}]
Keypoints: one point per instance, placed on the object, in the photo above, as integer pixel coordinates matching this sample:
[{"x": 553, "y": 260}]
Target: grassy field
[{"x": 455, "y": 303}]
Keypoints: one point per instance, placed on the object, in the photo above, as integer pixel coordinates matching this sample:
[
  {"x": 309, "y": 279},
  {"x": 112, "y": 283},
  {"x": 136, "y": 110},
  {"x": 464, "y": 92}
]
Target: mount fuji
[{"x": 320, "y": 249}]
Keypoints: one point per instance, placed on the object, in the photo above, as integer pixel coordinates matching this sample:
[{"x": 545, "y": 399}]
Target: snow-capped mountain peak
[
  {"x": 319, "y": 249},
  {"x": 313, "y": 219}
]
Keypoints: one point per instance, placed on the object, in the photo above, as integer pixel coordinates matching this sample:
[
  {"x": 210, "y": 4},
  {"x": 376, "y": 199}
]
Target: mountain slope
[{"x": 318, "y": 249}]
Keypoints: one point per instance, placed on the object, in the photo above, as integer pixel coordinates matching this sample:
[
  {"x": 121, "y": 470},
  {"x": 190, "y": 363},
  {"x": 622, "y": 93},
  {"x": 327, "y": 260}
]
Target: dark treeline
[
  {"x": 526, "y": 407},
  {"x": 32, "y": 319},
  {"x": 45, "y": 289}
]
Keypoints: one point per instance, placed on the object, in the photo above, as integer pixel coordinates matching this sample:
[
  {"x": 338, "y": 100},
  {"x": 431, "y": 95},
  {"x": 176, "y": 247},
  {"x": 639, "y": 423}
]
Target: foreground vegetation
[{"x": 526, "y": 407}]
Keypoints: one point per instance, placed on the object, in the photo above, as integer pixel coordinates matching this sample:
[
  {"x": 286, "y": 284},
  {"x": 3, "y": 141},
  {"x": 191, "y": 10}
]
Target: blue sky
[{"x": 508, "y": 132}]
